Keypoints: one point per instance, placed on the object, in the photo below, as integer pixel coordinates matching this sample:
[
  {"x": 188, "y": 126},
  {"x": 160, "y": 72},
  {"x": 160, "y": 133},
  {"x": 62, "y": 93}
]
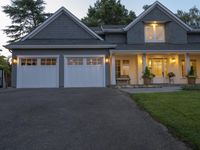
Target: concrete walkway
[{"x": 151, "y": 90}]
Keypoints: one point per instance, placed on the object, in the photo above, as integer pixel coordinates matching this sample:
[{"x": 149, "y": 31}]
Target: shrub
[
  {"x": 147, "y": 74},
  {"x": 191, "y": 87}
]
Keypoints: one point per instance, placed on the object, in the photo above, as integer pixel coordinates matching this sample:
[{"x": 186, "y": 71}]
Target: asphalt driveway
[{"x": 78, "y": 119}]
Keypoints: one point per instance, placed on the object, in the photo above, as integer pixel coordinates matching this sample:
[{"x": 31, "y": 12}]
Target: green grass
[{"x": 179, "y": 111}]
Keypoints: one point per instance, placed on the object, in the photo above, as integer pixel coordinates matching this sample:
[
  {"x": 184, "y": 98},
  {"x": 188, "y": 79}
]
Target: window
[
  {"x": 183, "y": 67},
  {"x": 158, "y": 66},
  {"x": 95, "y": 61},
  {"x": 125, "y": 67},
  {"x": 48, "y": 61},
  {"x": 75, "y": 61},
  {"x": 28, "y": 62},
  {"x": 192, "y": 64},
  {"x": 118, "y": 68},
  {"x": 154, "y": 33}
]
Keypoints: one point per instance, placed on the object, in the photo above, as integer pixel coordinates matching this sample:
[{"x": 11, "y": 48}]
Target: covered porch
[{"x": 131, "y": 65}]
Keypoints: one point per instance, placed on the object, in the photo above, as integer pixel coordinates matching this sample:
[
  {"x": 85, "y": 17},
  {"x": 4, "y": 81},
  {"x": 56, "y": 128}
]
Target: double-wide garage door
[{"x": 43, "y": 72}]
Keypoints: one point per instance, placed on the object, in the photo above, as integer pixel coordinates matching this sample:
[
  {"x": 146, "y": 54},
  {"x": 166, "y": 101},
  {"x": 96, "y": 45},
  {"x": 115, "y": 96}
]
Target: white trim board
[
  {"x": 57, "y": 46},
  {"x": 54, "y": 16},
  {"x": 153, "y": 51}
]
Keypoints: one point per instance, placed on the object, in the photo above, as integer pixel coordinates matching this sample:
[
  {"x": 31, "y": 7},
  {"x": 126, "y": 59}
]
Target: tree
[
  {"x": 192, "y": 18},
  {"x": 5, "y": 65},
  {"x": 26, "y": 15},
  {"x": 145, "y": 7},
  {"x": 107, "y": 12}
]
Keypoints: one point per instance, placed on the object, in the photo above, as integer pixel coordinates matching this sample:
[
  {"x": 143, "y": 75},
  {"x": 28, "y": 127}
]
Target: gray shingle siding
[
  {"x": 175, "y": 34},
  {"x": 63, "y": 28},
  {"x": 194, "y": 38},
  {"x": 115, "y": 38},
  {"x": 136, "y": 34}
]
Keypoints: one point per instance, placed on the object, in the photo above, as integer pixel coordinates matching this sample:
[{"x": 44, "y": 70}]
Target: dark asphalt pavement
[{"x": 78, "y": 119}]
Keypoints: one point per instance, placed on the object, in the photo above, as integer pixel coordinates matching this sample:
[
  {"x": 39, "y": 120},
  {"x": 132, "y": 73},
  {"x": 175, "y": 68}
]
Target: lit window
[
  {"x": 75, "y": 61},
  {"x": 192, "y": 64},
  {"x": 48, "y": 61},
  {"x": 125, "y": 67},
  {"x": 95, "y": 61},
  {"x": 154, "y": 33},
  {"x": 28, "y": 62}
]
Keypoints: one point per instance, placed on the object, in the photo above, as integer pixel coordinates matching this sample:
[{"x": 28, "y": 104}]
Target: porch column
[
  {"x": 187, "y": 62},
  {"x": 113, "y": 71},
  {"x": 144, "y": 61}
]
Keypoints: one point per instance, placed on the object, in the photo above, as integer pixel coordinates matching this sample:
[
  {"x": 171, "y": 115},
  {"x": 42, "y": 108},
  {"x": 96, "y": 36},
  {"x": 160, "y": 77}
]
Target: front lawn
[{"x": 179, "y": 111}]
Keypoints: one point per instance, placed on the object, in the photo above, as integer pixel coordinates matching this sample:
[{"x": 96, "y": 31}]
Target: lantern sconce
[
  {"x": 14, "y": 61},
  {"x": 173, "y": 60},
  {"x": 107, "y": 60}
]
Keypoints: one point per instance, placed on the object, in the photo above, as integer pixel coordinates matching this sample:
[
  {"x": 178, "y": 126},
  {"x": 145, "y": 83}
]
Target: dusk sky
[{"x": 79, "y": 8}]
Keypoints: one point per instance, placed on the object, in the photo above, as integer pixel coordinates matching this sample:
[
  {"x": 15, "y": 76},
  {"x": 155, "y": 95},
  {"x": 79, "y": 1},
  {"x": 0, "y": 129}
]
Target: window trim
[{"x": 154, "y": 34}]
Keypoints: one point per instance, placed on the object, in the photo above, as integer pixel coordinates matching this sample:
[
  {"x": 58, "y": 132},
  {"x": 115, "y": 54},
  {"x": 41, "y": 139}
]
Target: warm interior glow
[{"x": 154, "y": 25}]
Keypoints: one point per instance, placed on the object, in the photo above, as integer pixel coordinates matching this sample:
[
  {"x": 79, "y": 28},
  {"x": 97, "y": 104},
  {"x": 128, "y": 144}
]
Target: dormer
[{"x": 157, "y": 25}]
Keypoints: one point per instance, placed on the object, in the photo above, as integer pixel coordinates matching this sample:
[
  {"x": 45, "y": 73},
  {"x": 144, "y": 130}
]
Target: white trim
[
  {"x": 144, "y": 13},
  {"x": 53, "y": 17},
  {"x": 113, "y": 71},
  {"x": 152, "y": 51},
  {"x": 57, "y": 46},
  {"x": 38, "y": 57},
  {"x": 187, "y": 63},
  {"x": 84, "y": 56}
]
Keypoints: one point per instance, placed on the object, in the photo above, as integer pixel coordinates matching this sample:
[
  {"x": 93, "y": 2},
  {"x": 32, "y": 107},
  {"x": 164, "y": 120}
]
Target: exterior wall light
[
  {"x": 107, "y": 60},
  {"x": 173, "y": 60},
  {"x": 14, "y": 61}
]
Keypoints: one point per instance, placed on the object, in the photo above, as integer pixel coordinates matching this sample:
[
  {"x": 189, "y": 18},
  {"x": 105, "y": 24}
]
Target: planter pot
[
  {"x": 147, "y": 81},
  {"x": 191, "y": 80}
]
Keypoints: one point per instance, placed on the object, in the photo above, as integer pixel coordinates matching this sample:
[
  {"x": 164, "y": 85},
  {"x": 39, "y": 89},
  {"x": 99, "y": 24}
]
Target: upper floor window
[{"x": 154, "y": 33}]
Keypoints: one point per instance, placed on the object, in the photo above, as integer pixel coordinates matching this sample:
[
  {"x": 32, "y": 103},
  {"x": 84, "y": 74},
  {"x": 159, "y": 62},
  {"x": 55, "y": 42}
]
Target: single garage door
[
  {"x": 35, "y": 72},
  {"x": 85, "y": 71}
]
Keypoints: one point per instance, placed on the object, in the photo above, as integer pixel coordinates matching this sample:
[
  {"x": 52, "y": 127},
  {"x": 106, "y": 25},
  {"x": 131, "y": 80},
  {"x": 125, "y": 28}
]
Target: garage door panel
[
  {"x": 84, "y": 74},
  {"x": 36, "y": 75}
]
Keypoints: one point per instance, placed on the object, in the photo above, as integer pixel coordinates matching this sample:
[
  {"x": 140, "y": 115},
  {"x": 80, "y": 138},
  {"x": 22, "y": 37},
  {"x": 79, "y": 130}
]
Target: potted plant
[
  {"x": 171, "y": 75},
  {"x": 147, "y": 76},
  {"x": 191, "y": 76}
]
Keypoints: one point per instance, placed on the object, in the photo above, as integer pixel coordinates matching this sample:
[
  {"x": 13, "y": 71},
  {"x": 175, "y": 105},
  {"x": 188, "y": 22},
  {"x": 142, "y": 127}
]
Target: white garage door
[
  {"x": 85, "y": 71},
  {"x": 35, "y": 72}
]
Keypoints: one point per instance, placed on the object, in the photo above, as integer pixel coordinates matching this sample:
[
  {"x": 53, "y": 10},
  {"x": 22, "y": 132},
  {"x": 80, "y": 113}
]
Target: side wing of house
[{"x": 62, "y": 52}]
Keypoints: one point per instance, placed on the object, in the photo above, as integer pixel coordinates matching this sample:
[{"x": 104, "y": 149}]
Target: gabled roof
[
  {"x": 165, "y": 10},
  {"x": 56, "y": 15}
]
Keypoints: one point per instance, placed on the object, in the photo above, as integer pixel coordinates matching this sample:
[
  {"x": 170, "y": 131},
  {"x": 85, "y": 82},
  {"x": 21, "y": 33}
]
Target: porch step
[{"x": 148, "y": 86}]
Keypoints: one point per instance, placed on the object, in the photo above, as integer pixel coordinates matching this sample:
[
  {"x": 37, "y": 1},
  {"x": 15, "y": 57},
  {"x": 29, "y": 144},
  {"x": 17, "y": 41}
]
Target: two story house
[{"x": 64, "y": 52}]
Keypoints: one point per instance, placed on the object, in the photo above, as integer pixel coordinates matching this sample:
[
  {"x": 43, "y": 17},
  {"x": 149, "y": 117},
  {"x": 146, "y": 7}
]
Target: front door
[{"x": 159, "y": 68}]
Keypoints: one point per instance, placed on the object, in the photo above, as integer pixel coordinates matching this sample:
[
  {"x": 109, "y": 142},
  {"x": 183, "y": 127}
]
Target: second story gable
[{"x": 157, "y": 25}]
